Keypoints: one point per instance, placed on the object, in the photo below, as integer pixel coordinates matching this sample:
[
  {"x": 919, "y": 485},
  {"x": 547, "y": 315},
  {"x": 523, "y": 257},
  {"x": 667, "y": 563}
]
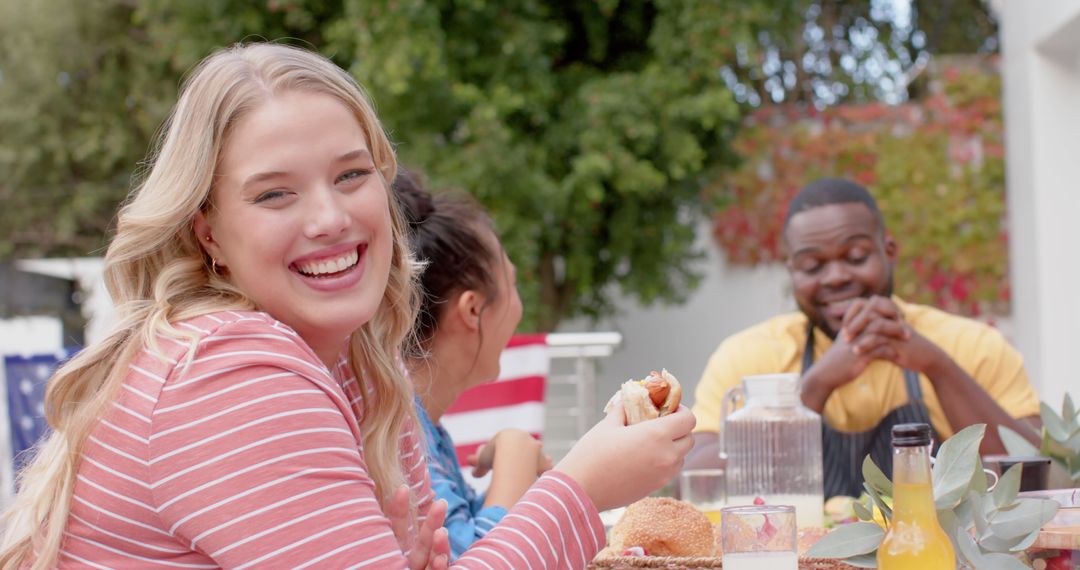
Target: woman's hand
[
  {"x": 618, "y": 464},
  {"x": 432, "y": 548}
]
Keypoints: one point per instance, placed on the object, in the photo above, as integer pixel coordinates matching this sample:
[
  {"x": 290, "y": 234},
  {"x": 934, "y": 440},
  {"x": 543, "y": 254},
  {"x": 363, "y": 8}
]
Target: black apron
[{"x": 843, "y": 452}]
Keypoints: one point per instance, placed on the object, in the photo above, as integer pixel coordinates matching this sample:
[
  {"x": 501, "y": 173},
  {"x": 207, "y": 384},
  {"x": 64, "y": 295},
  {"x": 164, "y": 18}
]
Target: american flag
[
  {"x": 514, "y": 400},
  {"x": 25, "y": 377}
]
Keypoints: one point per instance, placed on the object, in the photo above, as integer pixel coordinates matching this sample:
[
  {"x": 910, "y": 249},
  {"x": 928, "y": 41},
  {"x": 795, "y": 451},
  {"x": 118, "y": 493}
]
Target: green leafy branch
[
  {"x": 989, "y": 528},
  {"x": 1060, "y": 438}
]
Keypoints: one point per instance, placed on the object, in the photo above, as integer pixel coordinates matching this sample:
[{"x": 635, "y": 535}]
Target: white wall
[
  {"x": 96, "y": 305},
  {"x": 681, "y": 338},
  {"x": 31, "y": 335},
  {"x": 1041, "y": 50}
]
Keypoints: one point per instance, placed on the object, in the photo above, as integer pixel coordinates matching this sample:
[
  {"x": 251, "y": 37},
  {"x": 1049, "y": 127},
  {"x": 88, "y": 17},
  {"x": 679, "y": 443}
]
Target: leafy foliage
[
  {"x": 70, "y": 131},
  {"x": 826, "y": 52},
  {"x": 936, "y": 167},
  {"x": 988, "y": 529},
  {"x": 588, "y": 128},
  {"x": 84, "y": 85},
  {"x": 1060, "y": 438}
]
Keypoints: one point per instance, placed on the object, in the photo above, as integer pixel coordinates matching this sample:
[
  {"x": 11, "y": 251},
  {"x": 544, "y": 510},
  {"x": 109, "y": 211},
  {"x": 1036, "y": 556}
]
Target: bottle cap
[{"x": 911, "y": 435}]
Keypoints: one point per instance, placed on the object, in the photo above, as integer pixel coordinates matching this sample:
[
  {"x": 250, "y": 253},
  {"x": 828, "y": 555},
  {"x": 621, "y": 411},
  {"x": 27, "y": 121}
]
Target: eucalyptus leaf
[
  {"x": 1015, "y": 443},
  {"x": 955, "y": 465},
  {"x": 963, "y": 511},
  {"x": 967, "y": 549},
  {"x": 1074, "y": 444},
  {"x": 886, "y": 510},
  {"x": 1054, "y": 448},
  {"x": 862, "y": 511},
  {"x": 996, "y": 509},
  {"x": 994, "y": 543},
  {"x": 1008, "y": 485},
  {"x": 998, "y": 561},
  {"x": 872, "y": 474},
  {"x": 1053, "y": 423},
  {"x": 848, "y": 540},
  {"x": 987, "y": 527},
  {"x": 1027, "y": 541},
  {"x": 979, "y": 482},
  {"x": 949, "y": 521},
  {"x": 979, "y": 514},
  {"x": 1068, "y": 412},
  {"x": 1028, "y": 516},
  {"x": 862, "y": 561}
]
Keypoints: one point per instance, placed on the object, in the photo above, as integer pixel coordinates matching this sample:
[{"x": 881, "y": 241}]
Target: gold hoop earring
[{"x": 213, "y": 265}]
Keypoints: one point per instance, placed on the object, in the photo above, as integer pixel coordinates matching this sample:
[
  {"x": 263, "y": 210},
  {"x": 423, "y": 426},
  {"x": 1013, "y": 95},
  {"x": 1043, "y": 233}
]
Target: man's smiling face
[{"x": 837, "y": 252}]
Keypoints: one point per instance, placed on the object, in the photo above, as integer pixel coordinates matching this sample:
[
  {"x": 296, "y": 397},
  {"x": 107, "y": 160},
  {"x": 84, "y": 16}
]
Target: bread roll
[{"x": 661, "y": 527}]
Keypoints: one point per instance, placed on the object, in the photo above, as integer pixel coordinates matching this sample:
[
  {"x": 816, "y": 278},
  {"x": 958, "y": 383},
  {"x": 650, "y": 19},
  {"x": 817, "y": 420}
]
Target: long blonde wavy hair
[{"x": 158, "y": 274}]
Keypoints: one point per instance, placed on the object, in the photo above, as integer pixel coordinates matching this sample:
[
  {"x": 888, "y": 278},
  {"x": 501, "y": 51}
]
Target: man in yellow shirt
[{"x": 868, "y": 360}]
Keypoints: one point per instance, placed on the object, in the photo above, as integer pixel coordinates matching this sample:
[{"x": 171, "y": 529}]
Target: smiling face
[
  {"x": 838, "y": 252},
  {"x": 299, "y": 219}
]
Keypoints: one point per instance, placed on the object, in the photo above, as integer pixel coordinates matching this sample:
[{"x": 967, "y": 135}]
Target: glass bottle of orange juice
[{"x": 915, "y": 540}]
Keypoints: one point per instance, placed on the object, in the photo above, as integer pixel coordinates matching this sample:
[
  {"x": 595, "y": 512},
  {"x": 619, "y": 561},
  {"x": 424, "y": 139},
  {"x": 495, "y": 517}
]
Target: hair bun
[{"x": 417, "y": 205}]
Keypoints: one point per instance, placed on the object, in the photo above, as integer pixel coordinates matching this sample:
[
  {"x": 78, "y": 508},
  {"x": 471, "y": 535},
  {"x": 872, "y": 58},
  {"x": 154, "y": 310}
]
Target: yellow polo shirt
[{"x": 776, "y": 345}]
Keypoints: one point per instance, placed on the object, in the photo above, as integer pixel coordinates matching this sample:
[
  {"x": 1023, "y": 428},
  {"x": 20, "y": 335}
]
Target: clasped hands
[{"x": 874, "y": 329}]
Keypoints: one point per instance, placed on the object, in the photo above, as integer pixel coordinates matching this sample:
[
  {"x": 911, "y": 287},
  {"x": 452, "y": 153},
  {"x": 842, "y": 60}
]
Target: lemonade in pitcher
[
  {"x": 712, "y": 511},
  {"x": 772, "y": 447},
  {"x": 915, "y": 540},
  {"x": 704, "y": 488}
]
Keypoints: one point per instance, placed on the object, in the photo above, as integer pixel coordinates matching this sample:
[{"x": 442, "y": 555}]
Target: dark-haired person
[
  {"x": 469, "y": 309},
  {"x": 868, "y": 359}
]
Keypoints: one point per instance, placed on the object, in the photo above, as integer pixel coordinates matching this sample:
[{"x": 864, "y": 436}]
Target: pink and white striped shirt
[{"x": 252, "y": 458}]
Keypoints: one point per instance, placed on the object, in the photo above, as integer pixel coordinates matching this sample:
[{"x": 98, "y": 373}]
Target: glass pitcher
[{"x": 772, "y": 446}]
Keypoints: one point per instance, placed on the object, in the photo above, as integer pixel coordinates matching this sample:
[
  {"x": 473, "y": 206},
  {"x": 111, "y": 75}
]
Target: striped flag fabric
[{"x": 514, "y": 400}]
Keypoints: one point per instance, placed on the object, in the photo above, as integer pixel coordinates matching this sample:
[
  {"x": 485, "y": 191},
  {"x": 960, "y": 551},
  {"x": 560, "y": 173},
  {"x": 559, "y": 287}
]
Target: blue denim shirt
[{"x": 466, "y": 518}]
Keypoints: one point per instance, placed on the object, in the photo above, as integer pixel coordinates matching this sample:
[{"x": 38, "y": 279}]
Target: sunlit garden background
[{"x": 637, "y": 155}]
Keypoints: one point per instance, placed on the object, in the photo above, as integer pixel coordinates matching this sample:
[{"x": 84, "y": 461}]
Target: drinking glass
[
  {"x": 760, "y": 537},
  {"x": 705, "y": 489}
]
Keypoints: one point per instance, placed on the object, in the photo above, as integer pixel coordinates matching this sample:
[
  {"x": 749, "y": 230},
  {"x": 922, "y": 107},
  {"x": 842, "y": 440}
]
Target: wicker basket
[{"x": 676, "y": 563}]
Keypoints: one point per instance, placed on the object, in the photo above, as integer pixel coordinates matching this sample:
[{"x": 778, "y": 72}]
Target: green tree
[
  {"x": 80, "y": 94},
  {"x": 587, "y": 127},
  {"x": 84, "y": 84},
  {"x": 826, "y": 52}
]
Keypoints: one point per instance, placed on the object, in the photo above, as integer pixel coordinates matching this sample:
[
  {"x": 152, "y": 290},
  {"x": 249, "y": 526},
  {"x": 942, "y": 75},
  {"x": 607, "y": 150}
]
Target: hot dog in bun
[{"x": 657, "y": 395}]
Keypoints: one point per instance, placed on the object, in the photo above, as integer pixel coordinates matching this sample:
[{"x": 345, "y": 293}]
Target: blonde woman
[{"x": 249, "y": 411}]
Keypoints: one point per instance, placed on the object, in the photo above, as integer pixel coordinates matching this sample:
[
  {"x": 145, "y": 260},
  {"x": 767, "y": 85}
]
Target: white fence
[{"x": 572, "y": 404}]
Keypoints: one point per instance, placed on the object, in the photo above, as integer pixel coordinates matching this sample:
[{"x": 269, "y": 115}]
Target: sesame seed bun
[{"x": 663, "y": 527}]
